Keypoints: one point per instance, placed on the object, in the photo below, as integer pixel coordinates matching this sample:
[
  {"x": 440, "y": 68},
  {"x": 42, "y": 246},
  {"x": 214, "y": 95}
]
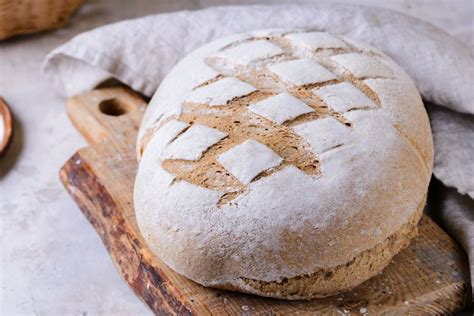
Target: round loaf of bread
[{"x": 284, "y": 163}]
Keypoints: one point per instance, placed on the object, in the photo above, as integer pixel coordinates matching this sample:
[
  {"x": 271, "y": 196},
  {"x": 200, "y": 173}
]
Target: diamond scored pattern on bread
[
  {"x": 245, "y": 161},
  {"x": 267, "y": 158}
]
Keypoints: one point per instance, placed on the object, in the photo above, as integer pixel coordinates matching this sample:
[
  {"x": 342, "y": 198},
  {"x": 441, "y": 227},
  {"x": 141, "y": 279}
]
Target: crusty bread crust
[
  {"x": 344, "y": 277},
  {"x": 293, "y": 199}
]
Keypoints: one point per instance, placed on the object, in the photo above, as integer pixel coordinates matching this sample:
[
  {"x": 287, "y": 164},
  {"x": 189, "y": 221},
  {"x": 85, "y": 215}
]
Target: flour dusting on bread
[{"x": 284, "y": 163}]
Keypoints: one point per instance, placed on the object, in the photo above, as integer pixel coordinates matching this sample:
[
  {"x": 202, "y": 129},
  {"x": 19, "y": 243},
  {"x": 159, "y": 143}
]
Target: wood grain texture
[{"x": 429, "y": 277}]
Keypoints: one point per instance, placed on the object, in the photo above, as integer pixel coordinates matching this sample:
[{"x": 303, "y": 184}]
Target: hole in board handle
[{"x": 113, "y": 107}]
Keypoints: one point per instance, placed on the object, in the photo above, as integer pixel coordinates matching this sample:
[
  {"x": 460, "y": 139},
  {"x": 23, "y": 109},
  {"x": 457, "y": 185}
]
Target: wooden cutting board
[{"x": 429, "y": 277}]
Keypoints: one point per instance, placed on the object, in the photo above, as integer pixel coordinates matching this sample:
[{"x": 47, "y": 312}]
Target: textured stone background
[{"x": 52, "y": 261}]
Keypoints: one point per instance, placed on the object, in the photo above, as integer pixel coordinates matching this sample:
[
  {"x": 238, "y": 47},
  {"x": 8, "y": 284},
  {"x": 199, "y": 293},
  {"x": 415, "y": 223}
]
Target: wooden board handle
[{"x": 106, "y": 114}]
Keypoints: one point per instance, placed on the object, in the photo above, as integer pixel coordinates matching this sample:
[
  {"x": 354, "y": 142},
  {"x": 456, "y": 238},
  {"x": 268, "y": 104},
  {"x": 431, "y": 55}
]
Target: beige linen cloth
[{"x": 140, "y": 52}]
